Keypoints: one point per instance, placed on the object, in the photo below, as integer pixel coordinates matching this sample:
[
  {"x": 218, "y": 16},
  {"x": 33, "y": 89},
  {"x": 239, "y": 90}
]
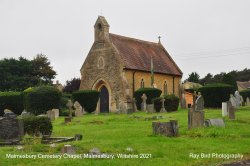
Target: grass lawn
[{"x": 113, "y": 134}]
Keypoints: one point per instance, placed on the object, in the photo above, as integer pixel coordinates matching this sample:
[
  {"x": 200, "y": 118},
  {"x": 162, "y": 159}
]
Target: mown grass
[{"x": 113, "y": 133}]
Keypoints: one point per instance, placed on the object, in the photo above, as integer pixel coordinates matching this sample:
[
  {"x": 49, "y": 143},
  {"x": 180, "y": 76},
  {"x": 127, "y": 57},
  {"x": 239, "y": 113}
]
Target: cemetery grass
[{"x": 113, "y": 133}]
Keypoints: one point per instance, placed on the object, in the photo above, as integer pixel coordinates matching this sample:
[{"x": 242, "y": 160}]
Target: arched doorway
[{"x": 104, "y": 100}]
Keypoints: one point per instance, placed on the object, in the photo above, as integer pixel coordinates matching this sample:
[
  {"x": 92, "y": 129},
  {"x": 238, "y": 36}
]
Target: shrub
[
  {"x": 157, "y": 103},
  {"x": 245, "y": 94},
  {"x": 150, "y": 92},
  {"x": 215, "y": 94},
  {"x": 33, "y": 125},
  {"x": 40, "y": 99},
  {"x": 12, "y": 101},
  {"x": 87, "y": 98},
  {"x": 171, "y": 102}
]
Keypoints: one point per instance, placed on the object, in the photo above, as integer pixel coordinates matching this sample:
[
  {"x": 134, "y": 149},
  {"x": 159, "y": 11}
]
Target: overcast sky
[{"x": 200, "y": 35}]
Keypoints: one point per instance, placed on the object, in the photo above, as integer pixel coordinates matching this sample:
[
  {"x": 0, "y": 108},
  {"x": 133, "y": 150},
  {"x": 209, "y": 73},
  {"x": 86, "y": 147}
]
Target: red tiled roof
[
  {"x": 136, "y": 55},
  {"x": 244, "y": 85}
]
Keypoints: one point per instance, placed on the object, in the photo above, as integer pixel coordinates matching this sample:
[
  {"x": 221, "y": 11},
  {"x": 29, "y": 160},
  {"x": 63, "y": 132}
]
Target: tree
[
  {"x": 19, "y": 74},
  {"x": 42, "y": 69},
  {"x": 208, "y": 79},
  {"x": 230, "y": 80},
  {"x": 72, "y": 85},
  {"x": 193, "y": 77}
]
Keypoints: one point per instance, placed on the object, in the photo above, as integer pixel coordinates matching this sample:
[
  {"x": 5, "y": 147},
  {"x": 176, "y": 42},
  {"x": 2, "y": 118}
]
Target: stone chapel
[{"x": 117, "y": 66}]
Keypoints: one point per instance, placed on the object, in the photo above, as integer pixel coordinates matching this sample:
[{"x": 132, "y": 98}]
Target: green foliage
[
  {"x": 171, "y": 103},
  {"x": 33, "y": 125},
  {"x": 245, "y": 94},
  {"x": 215, "y": 94},
  {"x": 72, "y": 85},
  {"x": 64, "y": 99},
  {"x": 193, "y": 77},
  {"x": 19, "y": 74},
  {"x": 40, "y": 99},
  {"x": 87, "y": 98},
  {"x": 12, "y": 101},
  {"x": 230, "y": 80},
  {"x": 150, "y": 92}
]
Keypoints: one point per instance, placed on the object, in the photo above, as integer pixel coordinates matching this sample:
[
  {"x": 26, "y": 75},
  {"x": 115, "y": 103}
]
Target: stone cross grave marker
[
  {"x": 163, "y": 105},
  {"x": 69, "y": 105},
  {"x": 144, "y": 104}
]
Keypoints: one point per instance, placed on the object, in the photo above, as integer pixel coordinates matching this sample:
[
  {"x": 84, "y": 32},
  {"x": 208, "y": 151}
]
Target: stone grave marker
[
  {"x": 248, "y": 101},
  {"x": 233, "y": 101},
  {"x": 78, "y": 109},
  {"x": 214, "y": 122},
  {"x": 68, "y": 149},
  {"x": 134, "y": 107},
  {"x": 196, "y": 115},
  {"x": 11, "y": 128},
  {"x": 150, "y": 108},
  {"x": 51, "y": 115},
  {"x": 70, "y": 105},
  {"x": 231, "y": 110},
  {"x": 144, "y": 104},
  {"x": 238, "y": 99},
  {"x": 163, "y": 105},
  {"x": 56, "y": 112},
  {"x": 183, "y": 102},
  {"x": 169, "y": 129},
  {"x": 224, "y": 109}
]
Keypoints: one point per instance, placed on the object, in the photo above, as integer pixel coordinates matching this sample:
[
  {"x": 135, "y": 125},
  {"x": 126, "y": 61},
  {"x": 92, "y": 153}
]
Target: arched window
[
  {"x": 165, "y": 88},
  {"x": 142, "y": 83}
]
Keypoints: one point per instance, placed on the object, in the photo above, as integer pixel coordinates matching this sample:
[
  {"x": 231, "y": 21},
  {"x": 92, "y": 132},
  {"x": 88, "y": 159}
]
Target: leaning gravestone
[
  {"x": 78, "y": 107},
  {"x": 11, "y": 128},
  {"x": 224, "y": 109},
  {"x": 214, "y": 122},
  {"x": 196, "y": 115},
  {"x": 144, "y": 104},
  {"x": 169, "y": 129}
]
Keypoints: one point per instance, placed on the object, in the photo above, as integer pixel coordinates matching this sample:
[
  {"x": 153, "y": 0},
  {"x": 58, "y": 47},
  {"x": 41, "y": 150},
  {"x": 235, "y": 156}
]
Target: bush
[
  {"x": 171, "y": 103},
  {"x": 40, "y": 99},
  {"x": 87, "y": 98},
  {"x": 245, "y": 94},
  {"x": 64, "y": 99},
  {"x": 215, "y": 94},
  {"x": 33, "y": 125},
  {"x": 157, "y": 103},
  {"x": 150, "y": 92},
  {"x": 12, "y": 101}
]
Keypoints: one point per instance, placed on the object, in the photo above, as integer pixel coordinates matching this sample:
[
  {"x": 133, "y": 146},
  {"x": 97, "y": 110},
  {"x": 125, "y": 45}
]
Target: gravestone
[
  {"x": 70, "y": 105},
  {"x": 169, "y": 129},
  {"x": 150, "y": 108},
  {"x": 134, "y": 107},
  {"x": 129, "y": 106},
  {"x": 144, "y": 104},
  {"x": 56, "y": 112},
  {"x": 214, "y": 122},
  {"x": 183, "y": 102},
  {"x": 51, "y": 115},
  {"x": 224, "y": 109},
  {"x": 248, "y": 101},
  {"x": 238, "y": 99},
  {"x": 163, "y": 105},
  {"x": 11, "y": 128},
  {"x": 231, "y": 110},
  {"x": 78, "y": 109},
  {"x": 233, "y": 101},
  {"x": 196, "y": 115}
]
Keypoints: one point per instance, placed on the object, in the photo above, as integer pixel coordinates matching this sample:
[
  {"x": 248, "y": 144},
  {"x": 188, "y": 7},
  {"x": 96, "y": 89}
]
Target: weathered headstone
[
  {"x": 134, "y": 107},
  {"x": 214, "y": 122},
  {"x": 163, "y": 105},
  {"x": 129, "y": 106},
  {"x": 144, "y": 104},
  {"x": 231, "y": 110},
  {"x": 169, "y": 129},
  {"x": 11, "y": 128},
  {"x": 183, "y": 102},
  {"x": 150, "y": 108},
  {"x": 196, "y": 115},
  {"x": 51, "y": 115},
  {"x": 56, "y": 112},
  {"x": 238, "y": 99},
  {"x": 78, "y": 109},
  {"x": 95, "y": 151},
  {"x": 224, "y": 109},
  {"x": 248, "y": 101},
  {"x": 68, "y": 149},
  {"x": 233, "y": 101}
]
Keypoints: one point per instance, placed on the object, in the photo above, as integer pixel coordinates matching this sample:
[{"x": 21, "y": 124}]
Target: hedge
[
  {"x": 151, "y": 93},
  {"x": 245, "y": 94},
  {"x": 171, "y": 103},
  {"x": 87, "y": 98},
  {"x": 34, "y": 125},
  {"x": 40, "y": 99},
  {"x": 12, "y": 101},
  {"x": 215, "y": 94}
]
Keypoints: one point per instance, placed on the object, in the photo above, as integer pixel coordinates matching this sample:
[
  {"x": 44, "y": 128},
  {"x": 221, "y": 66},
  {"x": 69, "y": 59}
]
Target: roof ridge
[{"x": 138, "y": 40}]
